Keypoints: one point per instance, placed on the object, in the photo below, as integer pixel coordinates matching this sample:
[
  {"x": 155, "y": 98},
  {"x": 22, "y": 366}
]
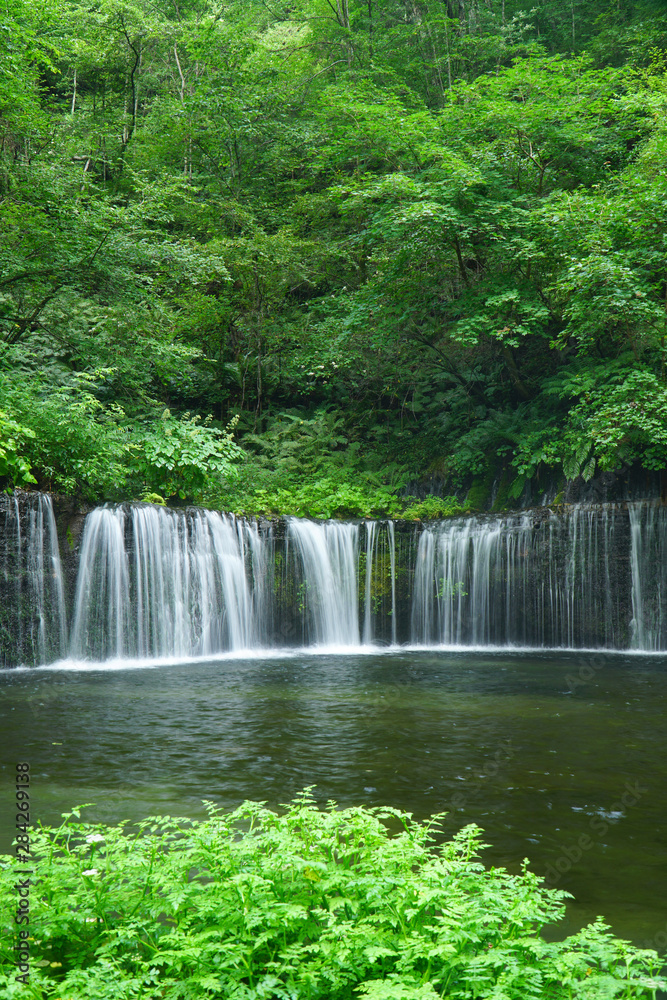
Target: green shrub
[
  {"x": 76, "y": 444},
  {"x": 183, "y": 457},
  {"x": 330, "y": 496},
  {"x": 431, "y": 508},
  {"x": 306, "y": 905},
  {"x": 72, "y": 442},
  {"x": 14, "y": 440},
  {"x": 305, "y": 465}
]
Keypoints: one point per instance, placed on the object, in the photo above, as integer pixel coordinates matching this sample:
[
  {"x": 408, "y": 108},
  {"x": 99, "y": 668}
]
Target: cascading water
[
  {"x": 45, "y": 579},
  {"x": 392, "y": 571},
  {"x": 155, "y": 583},
  {"x": 379, "y": 575},
  {"x": 648, "y": 559},
  {"x": 329, "y": 555},
  {"x": 370, "y": 551},
  {"x": 524, "y": 580},
  {"x": 32, "y": 605},
  {"x": 344, "y": 575}
]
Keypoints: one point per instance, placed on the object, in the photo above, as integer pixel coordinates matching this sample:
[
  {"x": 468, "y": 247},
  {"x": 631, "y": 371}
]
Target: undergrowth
[{"x": 304, "y": 905}]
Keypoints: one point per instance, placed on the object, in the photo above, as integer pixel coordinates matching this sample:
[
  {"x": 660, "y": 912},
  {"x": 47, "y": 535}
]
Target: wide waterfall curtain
[{"x": 153, "y": 583}]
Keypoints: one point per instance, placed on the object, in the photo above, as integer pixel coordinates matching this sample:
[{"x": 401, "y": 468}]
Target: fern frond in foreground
[{"x": 304, "y": 905}]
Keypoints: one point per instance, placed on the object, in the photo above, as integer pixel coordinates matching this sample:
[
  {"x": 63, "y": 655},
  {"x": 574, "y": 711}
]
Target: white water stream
[
  {"x": 154, "y": 583},
  {"x": 32, "y": 616},
  {"x": 522, "y": 580}
]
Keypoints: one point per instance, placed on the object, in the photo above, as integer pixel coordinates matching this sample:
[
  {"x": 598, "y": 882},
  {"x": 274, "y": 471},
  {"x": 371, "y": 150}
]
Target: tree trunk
[
  {"x": 343, "y": 9},
  {"x": 370, "y": 29}
]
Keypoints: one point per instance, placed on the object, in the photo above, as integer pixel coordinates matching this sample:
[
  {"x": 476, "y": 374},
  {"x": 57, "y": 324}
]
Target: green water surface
[{"x": 537, "y": 749}]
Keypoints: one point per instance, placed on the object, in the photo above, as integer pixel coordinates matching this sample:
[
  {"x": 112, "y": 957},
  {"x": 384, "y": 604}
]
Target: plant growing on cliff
[
  {"x": 432, "y": 508},
  {"x": 70, "y": 440}
]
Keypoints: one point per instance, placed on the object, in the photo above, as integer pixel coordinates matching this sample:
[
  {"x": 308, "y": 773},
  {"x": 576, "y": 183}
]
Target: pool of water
[{"x": 559, "y": 757}]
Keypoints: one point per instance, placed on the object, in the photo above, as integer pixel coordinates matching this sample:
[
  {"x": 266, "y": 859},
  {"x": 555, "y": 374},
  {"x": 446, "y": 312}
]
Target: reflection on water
[{"x": 558, "y": 757}]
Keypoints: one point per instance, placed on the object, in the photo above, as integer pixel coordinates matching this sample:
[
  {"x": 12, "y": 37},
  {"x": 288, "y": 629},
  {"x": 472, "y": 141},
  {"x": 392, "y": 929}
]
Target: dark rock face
[
  {"x": 631, "y": 484},
  {"x": 490, "y": 492}
]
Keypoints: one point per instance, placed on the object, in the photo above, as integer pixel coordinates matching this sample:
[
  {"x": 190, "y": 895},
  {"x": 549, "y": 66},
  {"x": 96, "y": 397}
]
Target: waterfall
[
  {"x": 648, "y": 559},
  {"x": 370, "y": 547},
  {"x": 523, "y": 580},
  {"x": 32, "y": 616},
  {"x": 45, "y": 580},
  {"x": 154, "y": 583},
  {"x": 103, "y": 588},
  {"x": 329, "y": 556},
  {"x": 392, "y": 570},
  {"x": 379, "y": 571}
]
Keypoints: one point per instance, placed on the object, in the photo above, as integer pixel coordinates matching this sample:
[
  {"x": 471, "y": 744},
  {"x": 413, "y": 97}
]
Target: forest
[
  {"x": 331, "y": 257},
  {"x": 286, "y": 286}
]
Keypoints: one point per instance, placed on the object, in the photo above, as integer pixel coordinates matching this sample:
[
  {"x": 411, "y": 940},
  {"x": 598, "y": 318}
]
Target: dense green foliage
[
  {"x": 298, "y": 906},
  {"x": 406, "y": 243}
]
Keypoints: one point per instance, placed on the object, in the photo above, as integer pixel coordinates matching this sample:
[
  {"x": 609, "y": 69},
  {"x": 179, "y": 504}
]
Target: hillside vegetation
[{"x": 304, "y": 256}]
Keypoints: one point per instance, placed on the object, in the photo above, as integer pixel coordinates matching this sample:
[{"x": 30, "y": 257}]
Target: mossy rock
[
  {"x": 479, "y": 493},
  {"x": 502, "y": 500},
  {"x": 560, "y": 495}
]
